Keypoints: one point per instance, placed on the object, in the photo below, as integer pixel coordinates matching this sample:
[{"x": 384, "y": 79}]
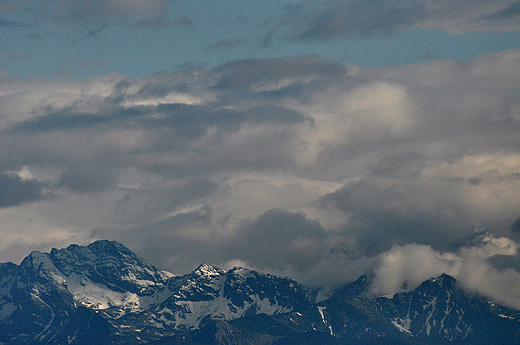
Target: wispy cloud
[{"x": 364, "y": 18}]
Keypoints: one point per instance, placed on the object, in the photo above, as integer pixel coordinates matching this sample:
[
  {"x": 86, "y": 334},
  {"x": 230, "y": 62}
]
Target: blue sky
[
  {"x": 320, "y": 140},
  {"x": 82, "y": 39}
]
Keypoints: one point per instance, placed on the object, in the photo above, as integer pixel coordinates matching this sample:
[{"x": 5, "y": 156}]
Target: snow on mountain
[
  {"x": 108, "y": 278},
  {"x": 437, "y": 311},
  {"x": 105, "y": 292},
  {"x": 212, "y": 293}
]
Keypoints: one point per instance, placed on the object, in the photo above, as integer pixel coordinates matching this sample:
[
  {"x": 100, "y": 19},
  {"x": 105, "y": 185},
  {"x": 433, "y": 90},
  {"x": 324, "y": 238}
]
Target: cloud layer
[{"x": 297, "y": 166}]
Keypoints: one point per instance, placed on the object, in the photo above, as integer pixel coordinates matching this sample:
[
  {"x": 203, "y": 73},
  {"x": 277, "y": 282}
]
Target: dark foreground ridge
[{"x": 105, "y": 294}]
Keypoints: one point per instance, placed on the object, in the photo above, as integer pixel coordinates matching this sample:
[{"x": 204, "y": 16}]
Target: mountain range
[{"x": 104, "y": 293}]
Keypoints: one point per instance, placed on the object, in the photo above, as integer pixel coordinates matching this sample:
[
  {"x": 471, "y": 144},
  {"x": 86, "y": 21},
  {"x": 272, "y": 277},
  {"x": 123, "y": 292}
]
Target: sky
[{"x": 319, "y": 140}]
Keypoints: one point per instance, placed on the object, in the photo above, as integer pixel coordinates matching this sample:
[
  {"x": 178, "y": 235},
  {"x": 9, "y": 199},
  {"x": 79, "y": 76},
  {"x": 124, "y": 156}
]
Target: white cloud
[
  {"x": 404, "y": 267},
  {"x": 369, "y": 112},
  {"x": 488, "y": 183}
]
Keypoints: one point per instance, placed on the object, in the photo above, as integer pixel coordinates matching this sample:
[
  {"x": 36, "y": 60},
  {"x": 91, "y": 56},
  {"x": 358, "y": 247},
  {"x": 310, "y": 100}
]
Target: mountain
[
  {"x": 122, "y": 294},
  {"x": 103, "y": 293}
]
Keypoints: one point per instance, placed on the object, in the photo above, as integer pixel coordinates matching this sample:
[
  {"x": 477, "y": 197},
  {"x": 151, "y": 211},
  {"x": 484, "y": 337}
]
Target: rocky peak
[
  {"x": 207, "y": 271},
  {"x": 109, "y": 263},
  {"x": 438, "y": 284},
  {"x": 357, "y": 288}
]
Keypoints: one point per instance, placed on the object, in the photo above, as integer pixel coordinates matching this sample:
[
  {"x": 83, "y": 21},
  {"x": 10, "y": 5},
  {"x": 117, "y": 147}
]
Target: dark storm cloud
[
  {"x": 15, "y": 191},
  {"x": 89, "y": 177},
  {"x": 60, "y": 120},
  {"x": 277, "y": 241},
  {"x": 402, "y": 164},
  {"x": 279, "y": 238},
  {"x": 381, "y": 215},
  {"x": 175, "y": 126}
]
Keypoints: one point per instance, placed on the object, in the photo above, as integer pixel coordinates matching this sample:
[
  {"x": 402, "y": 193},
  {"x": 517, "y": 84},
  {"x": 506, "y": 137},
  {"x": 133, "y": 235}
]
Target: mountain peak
[
  {"x": 443, "y": 280},
  {"x": 67, "y": 292},
  {"x": 208, "y": 270},
  {"x": 108, "y": 263},
  {"x": 355, "y": 289},
  {"x": 108, "y": 245}
]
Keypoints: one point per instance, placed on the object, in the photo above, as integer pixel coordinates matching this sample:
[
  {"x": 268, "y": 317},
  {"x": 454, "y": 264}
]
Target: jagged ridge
[
  {"x": 105, "y": 294},
  {"x": 105, "y": 276}
]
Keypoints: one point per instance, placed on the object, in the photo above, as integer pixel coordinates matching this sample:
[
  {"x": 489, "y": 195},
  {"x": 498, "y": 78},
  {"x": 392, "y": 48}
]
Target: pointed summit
[
  {"x": 444, "y": 281},
  {"x": 356, "y": 288},
  {"x": 208, "y": 270}
]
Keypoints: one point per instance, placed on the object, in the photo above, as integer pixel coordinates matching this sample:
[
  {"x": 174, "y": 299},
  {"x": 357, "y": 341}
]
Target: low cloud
[{"x": 403, "y": 268}]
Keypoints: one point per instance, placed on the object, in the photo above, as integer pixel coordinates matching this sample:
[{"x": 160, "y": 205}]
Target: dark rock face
[{"x": 105, "y": 294}]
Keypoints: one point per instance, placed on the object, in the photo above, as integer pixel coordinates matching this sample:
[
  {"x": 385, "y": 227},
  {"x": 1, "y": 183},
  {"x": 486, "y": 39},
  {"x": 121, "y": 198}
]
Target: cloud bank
[{"x": 297, "y": 166}]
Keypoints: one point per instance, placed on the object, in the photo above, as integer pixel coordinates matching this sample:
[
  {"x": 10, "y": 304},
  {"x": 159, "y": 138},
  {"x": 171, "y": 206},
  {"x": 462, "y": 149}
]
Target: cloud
[
  {"x": 15, "y": 190},
  {"x": 364, "y": 18},
  {"x": 278, "y": 238},
  {"x": 297, "y": 166},
  {"x": 403, "y": 202},
  {"x": 403, "y": 268},
  {"x": 361, "y": 18},
  {"x": 243, "y": 74}
]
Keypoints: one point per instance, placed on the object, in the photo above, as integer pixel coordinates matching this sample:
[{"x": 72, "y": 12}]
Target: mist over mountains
[{"x": 103, "y": 293}]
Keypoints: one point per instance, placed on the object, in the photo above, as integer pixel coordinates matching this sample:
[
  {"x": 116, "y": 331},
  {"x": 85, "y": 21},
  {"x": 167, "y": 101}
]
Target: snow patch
[
  {"x": 320, "y": 310},
  {"x": 402, "y": 328}
]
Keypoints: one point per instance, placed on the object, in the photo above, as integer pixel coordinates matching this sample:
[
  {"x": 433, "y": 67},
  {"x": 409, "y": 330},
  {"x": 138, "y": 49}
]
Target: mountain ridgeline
[{"x": 103, "y": 293}]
